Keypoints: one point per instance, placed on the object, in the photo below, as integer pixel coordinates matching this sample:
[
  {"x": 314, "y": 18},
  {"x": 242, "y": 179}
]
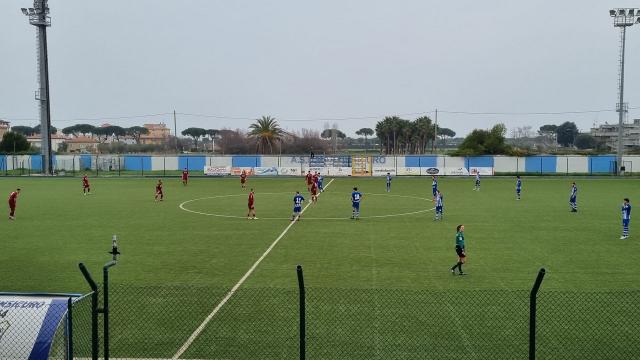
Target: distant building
[
  {"x": 158, "y": 134},
  {"x": 82, "y": 144},
  {"x": 609, "y": 134},
  {"x": 56, "y": 141},
  {"x": 4, "y": 127}
]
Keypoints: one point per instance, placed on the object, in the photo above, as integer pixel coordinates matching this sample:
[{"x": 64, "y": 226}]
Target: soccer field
[{"x": 379, "y": 287}]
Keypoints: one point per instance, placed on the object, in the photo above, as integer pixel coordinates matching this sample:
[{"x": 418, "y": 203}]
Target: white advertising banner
[
  {"x": 217, "y": 170},
  {"x": 430, "y": 171},
  {"x": 338, "y": 171},
  {"x": 456, "y": 171},
  {"x": 408, "y": 171},
  {"x": 290, "y": 171},
  {"x": 382, "y": 171},
  {"x": 486, "y": 171},
  {"x": 28, "y": 325},
  {"x": 266, "y": 171}
]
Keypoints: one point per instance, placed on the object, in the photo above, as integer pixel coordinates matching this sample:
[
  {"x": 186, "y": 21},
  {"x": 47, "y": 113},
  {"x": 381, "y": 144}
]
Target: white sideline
[{"x": 226, "y": 298}]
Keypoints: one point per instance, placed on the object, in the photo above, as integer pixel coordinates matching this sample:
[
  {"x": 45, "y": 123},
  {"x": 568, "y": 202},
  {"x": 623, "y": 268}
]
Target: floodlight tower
[
  {"x": 39, "y": 17},
  {"x": 622, "y": 18}
]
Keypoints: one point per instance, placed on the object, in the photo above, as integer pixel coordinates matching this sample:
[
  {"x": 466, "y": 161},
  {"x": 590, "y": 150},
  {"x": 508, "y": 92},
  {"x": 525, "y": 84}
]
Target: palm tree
[
  {"x": 365, "y": 132},
  {"x": 266, "y": 131}
]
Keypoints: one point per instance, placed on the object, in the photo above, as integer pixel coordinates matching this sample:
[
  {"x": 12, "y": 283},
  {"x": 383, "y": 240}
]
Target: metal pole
[
  {"x": 45, "y": 132},
  {"x": 94, "y": 311},
  {"x": 532, "y": 314},
  {"x": 175, "y": 129},
  {"x": 621, "y": 104},
  {"x": 435, "y": 134},
  {"x": 302, "y": 313},
  {"x": 105, "y": 309},
  {"x": 69, "y": 329}
]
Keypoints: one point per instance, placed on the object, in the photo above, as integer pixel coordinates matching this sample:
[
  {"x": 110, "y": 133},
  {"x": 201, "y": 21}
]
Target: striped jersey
[
  {"x": 518, "y": 184},
  {"x": 626, "y": 211},
  {"x": 439, "y": 200},
  {"x": 434, "y": 184},
  {"x": 388, "y": 179},
  {"x": 574, "y": 191}
]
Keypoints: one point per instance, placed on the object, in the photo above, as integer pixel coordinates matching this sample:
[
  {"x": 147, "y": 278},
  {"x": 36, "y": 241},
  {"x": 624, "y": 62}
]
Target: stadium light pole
[
  {"x": 622, "y": 18},
  {"x": 39, "y": 17}
]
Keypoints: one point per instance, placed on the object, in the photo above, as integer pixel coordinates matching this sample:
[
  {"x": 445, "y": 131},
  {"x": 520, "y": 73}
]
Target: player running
[
  {"x": 314, "y": 192},
  {"x": 388, "y": 182},
  {"x": 243, "y": 179},
  {"x": 252, "y": 209},
  {"x": 462, "y": 256},
  {"x": 309, "y": 180},
  {"x": 13, "y": 200},
  {"x": 185, "y": 176},
  {"x": 477, "y": 186},
  {"x": 573, "y": 198},
  {"x": 315, "y": 178},
  {"x": 439, "y": 206},
  {"x": 159, "y": 192},
  {"x": 434, "y": 186},
  {"x": 626, "y": 217},
  {"x": 518, "y": 187},
  {"x": 320, "y": 180},
  {"x": 297, "y": 206},
  {"x": 356, "y": 196},
  {"x": 86, "y": 188}
]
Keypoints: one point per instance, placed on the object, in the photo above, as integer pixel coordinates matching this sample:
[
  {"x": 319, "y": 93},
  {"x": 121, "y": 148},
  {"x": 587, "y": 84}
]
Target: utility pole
[
  {"x": 622, "y": 18},
  {"x": 39, "y": 17},
  {"x": 435, "y": 134},
  {"x": 175, "y": 129}
]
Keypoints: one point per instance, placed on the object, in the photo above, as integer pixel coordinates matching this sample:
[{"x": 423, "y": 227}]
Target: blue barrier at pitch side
[
  {"x": 246, "y": 161},
  {"x": 420, "y": 161},
  {"x": 192, "y": 162},
  {"x": 138, "y": 163},
  {"x": 602, "y": 164}
]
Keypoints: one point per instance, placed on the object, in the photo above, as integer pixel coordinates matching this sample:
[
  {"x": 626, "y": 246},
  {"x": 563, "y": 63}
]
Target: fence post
[
  {"x": 532, "y": 313},
  {"x": 302, "y": 313},
  {"x": 94, "y": 311},
  {"x": 69, "y": 329}
]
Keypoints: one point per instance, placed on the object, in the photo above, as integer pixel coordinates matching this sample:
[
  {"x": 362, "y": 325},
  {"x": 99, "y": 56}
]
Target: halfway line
[{"x": 233, "y": 290}]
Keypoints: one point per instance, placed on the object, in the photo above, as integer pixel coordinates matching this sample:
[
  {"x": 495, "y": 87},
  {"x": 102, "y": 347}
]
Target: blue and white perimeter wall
[{"x": 407, "y": 165}]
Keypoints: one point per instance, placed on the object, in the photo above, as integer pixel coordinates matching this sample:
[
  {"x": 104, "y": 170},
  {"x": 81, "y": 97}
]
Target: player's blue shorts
[
  {"x": 518, "y": 190},
  {"x": 319, "y": 185},
  {"x": 434, "y": 191},
  {"x": 438, "y": 209},
  {"x": 356, "y": 205},
  {"x": 625, "y": 222},
  {"x": 477, "y": 182},
  {"x": 572, "y": 199},
  {"x": 297, "y": 209}
]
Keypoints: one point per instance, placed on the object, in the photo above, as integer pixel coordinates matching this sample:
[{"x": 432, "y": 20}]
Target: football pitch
[{"x": 379, "y": 287}]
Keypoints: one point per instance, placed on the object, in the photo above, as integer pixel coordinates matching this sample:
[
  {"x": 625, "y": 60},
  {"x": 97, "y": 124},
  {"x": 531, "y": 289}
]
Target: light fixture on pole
[
  {"x": 622, "y": 18},
  {"x": 39, "y": 17}
]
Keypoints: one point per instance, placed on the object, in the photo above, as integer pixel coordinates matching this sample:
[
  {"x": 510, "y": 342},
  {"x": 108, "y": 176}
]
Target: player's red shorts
[
  {"x": 242, "y": 181},
  {"x": 251, "y": 207},
  {"x": 314, "y": 191},
  {"x": 85, "y": 185}
]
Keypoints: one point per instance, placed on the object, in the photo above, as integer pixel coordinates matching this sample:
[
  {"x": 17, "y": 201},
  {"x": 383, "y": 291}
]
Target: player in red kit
[
  {"x": 314, "y": 192},
  {"x": 185, "y": 177},
  {"x": 243, "y": 179},
  {"x": 314, "y": 178},
  {"x": 309, "y": 179},
  {"x": 86, "y": 189},
  {"x": 159, "y": 193},
  {"x": 13, "y": 199},
  {"x": 252, "y": 209}
]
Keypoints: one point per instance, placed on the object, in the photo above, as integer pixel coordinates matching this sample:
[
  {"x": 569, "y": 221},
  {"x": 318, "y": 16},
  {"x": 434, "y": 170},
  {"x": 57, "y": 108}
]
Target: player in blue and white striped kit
[
  {"x": 434, "y": 186},
  {"x": 297, "y": 206},
  {"x": 573, "y": 198},
  {"x": 439, "y": 206},
  {"x": 320, "y": 180},
  {"x": 626, "y": 217},
  {"x": 388, "y": 182},
  {"x": 356, "y": 196},
  {"x": 518, "y": 187},
  {"x": 477, "y": 186}
]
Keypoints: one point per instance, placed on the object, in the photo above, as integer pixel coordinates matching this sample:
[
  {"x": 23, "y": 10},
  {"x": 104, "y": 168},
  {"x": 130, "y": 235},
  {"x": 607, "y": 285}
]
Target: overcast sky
[{"x": 316, "y": 61}]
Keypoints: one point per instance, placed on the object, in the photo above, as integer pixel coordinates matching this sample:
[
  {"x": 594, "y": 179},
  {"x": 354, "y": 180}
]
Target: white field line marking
[
  {"x": 233, "y": 290},
  {"x": 182, "y": 207}
]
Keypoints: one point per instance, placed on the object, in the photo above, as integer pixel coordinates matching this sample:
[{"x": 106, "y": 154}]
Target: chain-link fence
[{"x": 264, "y": 323}]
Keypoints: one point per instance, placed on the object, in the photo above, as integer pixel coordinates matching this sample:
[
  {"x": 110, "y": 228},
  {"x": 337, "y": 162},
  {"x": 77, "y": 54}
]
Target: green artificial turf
[{"x": 379, "y": 287}]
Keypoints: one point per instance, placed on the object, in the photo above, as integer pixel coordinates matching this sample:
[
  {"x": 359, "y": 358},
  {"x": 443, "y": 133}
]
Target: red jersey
[
  {"x": 185, "y": 175},
  {"x": 243, "y": 177},
  {"x": 159, "y": 188},
  {"x": 85, "y": 181},
  {"x": 309, "y": 178},
  {"x": 315, "y": 178},
  {"x": 13, "y": 197},
  {"x": 314, "y": 188},
  {"x": 251, "y": 199}
]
